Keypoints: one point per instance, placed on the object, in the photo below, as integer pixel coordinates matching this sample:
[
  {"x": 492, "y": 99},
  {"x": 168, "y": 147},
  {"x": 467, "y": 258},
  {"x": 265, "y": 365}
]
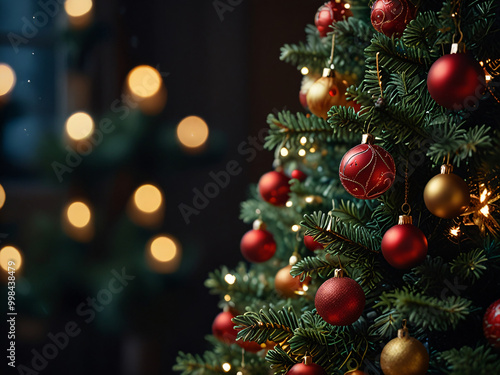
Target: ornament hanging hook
[
  {"x": 406, "y": 208},
  {"x": 330, "y": 63},
  {"x": 456, "y": 20}
]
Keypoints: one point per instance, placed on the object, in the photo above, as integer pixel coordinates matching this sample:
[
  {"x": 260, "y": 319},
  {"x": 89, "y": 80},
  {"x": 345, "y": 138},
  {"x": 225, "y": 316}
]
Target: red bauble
[
  {"x": 298, "y": 175},
  {"x": 329, "y": 13},
  {"x": 340, "y": 301},
  {"x": 456, "y": 81},
  {"x": 390, "y": 17},
  {"x": 491, "y": 324},
  {"x": 306, "y": 368},
  {"x": 404, "y": 245},
  {"x": 311, "y": 244},
  {"x": 274, "y": 188},
  {"x": 367, "y": 170},
  {"x": 250, "y": 346},
  {"x": 223, "y": 327},
  {"x": 258, "y": 245}
]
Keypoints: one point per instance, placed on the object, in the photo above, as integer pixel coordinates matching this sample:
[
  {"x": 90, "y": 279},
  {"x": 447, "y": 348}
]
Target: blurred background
[{"x": 129, "y": 134}]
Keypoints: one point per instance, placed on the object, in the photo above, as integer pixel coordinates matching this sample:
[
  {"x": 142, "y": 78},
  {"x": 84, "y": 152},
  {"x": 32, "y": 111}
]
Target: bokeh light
[
  {"x": 2, "y": 196},
  {"x": 79, "y": 126},
  {"x": 144, "y": 81},
  {"x": 148, "y": 198},
  {"x": 163, "y": 254},
  {"x": 7, "y": 79},
  {"x": 78, "y": 214},
  {"x": 10, "y": 253},
  {"x": 192, "y": 132},
  {"x": 77, "y": 8},
  {"x": 163, "y": 249}
]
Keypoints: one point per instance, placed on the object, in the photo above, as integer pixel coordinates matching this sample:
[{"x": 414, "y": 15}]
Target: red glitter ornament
[
  {"x": 306, "y": 368},
  {"x": 404, "y": 245},
  {"x": 329, "y": 13},
  {"x": 390, "y": 17},
  {"x": 491, "y": 324},
  {"x": 258, "y": 245},
  {"x": 456, "y": 81},
  {"x": 340, "y": 300},
  {"x": 311, "y": 244},
  {"x": 367, "y": 170},
  {"x": 274, "y": 188}
]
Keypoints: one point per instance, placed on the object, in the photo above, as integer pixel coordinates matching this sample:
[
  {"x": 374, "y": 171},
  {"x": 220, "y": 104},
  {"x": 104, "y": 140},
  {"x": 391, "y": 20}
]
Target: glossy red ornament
[
  {"x": 274, "y": 188},
  {"x": 257, "y": 245},
  {"x": 367, "y": 170},
  {"x": 456, "y": 81},
  {"x": 223, "y": 327},
  {"x": 404, "y": 245},
  {"x": 306, "y": 368},
  {"x": 298, "y": 175},
  {"x": 329, "y": 13},
  {"x": 311, "y": 244},
  {"x": 390, "y": 17},
  {"x": 340, "y": 300},
  {"x": 491, "y": 324}
]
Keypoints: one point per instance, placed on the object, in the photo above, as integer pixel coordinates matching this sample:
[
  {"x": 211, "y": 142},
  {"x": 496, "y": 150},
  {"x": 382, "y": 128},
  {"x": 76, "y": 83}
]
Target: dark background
[{"x": 225, "y": 70}]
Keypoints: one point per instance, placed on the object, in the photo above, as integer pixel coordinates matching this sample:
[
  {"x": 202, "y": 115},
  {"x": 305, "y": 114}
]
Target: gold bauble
[
  {"x": 404, "y": 355},
  {"x": 325, "y": 93},
  {"x": 446, "y": 195},
  {"x": 287, "y": 285}
]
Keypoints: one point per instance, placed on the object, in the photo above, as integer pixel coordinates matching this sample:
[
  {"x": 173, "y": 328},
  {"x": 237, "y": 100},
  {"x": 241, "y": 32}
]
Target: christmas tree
[{"x": 375, "y": 242}]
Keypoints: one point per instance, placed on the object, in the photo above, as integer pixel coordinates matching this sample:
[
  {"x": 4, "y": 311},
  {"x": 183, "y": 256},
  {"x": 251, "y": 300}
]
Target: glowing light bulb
[
  {"x": 289, "y": 204},
  {"x": 79, "y": 126},
  {"x": 12, "y": 255},
  {"x": 230, "y": 279},
  {"x": 302, "y": 152},
  {"x": 284, "y": 152},
  {"x": 485, "y": 210},
  {"x": 78, "y": 214},
  {"x": 226, "y": 367},
  {"x": 192, "y": 132},
  {"x": 163, "y": 249},
  {"x": 303, "y": 141},
  {"x": 148, "y": 198},
  {"x": 455, "y": 231},
  {"x": 2, "y": 196},
  {"x": 309, "y": 199},
  {"x": 144, "y": 81},
  {"x": 312, "y": 150},
  {"x": 295, "y": 228},
  {"x": 77, "y": 8},
  {"x": 304, "y": 70},
  {"x": 7, "y": 79},
  {"x": 347, "y": 6},
  {"x": 227, "y": 298}
]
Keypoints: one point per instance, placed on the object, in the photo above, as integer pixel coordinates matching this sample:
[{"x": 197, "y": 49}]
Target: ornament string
[
  {"x": 456, "y": 20},
  {"x": 379, "y": 77},
  {"x": 406, "y": 208},
  {"x": 330, "y": 63}
]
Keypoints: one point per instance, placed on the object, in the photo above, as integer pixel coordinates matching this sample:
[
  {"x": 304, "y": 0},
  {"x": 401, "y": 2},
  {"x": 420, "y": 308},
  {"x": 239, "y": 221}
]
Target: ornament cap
[
  {"x": 328, "y": 72},
  {"x": 405, "y": 219},
  {"x": 446, "y": 169},
  {"x": 367, "y": 139},
  {"x": 307, "y": 360},
  {"x": 339, "y": 273},
  {"x": 259, "y": 224},
  {"x": 403, "y": 333}
]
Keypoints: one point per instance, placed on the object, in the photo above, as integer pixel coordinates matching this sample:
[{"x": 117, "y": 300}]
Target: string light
[
  {"x": 163, "y": 249},
  {"x": 226, "y": 367},
  {"x": 284, "y": 152},
  {"x": 304, "y": 70},
  {"x": 227, "y": 298},
  {"x": 309, "y": 199},
  {"x": 148, "y": 198},
  {"x": 347, "y": 6},
  {"x": 78, "y": 214},
  {"x": 295, "y": 228},
  {"x": 10, "y": 254},
  {"x": 303, "y": 141},
  {"x": 289, "y": 204},
  {"x": 192, "y": 132},
  {"x": 7, "y": 79},
  {"x": 163, "y": 254},
  {"x": 455, "y": 231},
  {"x": 79, "y": 126},
  {"x": 77, "y": 8},
  {"x": 144, "y": 81},
  {"x": 302, "y": 152},
  {"x": 230, "y": 279},
  {"x": 312, "y": 150}
]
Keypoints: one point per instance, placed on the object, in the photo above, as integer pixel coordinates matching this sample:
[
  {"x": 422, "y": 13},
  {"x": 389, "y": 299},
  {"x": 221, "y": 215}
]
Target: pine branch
[
  {"x": 468, "y": 266},
  {"x": 208, "y": 364},
  {"x": 466, "y": 360}
]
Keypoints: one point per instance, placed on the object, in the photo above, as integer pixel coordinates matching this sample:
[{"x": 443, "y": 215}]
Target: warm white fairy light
[
  {"x": 227, "y": 298},
  {"x": 239, "y": 373},
  {"x": 455, "y": 231},
  {"x": 284, "y": 151},
  {"x": 226, "y": 367},
  {"x": 303, "y": 141},
  {"x": 289, "y": 204},
  {"x": 293, "y": 259},
  {"x": 312, "y": 150},
  {"x": 304, "y": 70},
  {"x": 485, "y": 210},
  {"x": 295, "y": 227},
  {"x": 347, "y": 6},
  {"x": 230, "y": 279},
  {"x": 302, "y": 152},
  {"x": 309, "y": 199}
]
